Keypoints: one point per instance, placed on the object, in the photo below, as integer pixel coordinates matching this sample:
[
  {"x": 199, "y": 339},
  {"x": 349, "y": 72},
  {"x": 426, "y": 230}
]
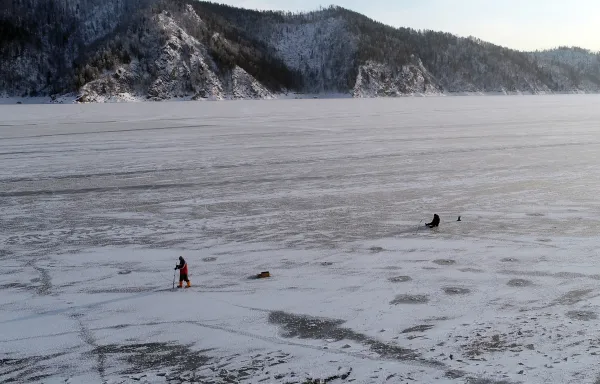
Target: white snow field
[{"x": 329, "y": 196}]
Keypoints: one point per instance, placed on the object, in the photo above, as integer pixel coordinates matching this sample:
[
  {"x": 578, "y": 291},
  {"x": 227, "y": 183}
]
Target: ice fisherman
[
  {"x": 435, "y": 223},
  {"x": 183, "y": 273}
]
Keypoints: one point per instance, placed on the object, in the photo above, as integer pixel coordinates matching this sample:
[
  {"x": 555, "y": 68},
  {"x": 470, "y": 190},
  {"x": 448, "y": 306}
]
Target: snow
[
  {"x": 575, "y": 70},
  {"x": 245, "y": 86},
  {"x": 99, "y": 200},
  {"x": 182, "y": 69},
  {"x": 300, "y": 44},
  {"x": 376, "y": 80},
  {"x": 322, "y": 48}
]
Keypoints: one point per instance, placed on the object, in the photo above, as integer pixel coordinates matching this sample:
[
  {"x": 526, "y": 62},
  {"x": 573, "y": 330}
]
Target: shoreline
[{"x": 128, "y": 98}]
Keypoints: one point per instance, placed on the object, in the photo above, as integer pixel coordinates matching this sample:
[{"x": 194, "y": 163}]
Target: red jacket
[{"x": 183, "y": 269}]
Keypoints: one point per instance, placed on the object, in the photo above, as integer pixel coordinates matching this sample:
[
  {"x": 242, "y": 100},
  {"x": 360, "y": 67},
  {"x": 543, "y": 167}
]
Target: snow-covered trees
[{"x": 64, "y": 45}]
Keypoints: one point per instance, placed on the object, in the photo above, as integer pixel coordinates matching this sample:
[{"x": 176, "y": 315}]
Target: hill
[{"x": 162, "y": 49}]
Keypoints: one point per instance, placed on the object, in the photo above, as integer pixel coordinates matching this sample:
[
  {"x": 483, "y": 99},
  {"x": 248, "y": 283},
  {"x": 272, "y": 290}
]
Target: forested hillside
[{"x": 161, "y": 49}]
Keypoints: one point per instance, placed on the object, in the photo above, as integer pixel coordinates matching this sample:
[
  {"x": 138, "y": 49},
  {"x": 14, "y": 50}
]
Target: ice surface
[{"x": 98, "y": 201}]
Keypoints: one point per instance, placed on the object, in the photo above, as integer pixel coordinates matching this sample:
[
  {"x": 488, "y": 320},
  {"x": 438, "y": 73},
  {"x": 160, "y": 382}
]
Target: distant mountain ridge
[{"x": 103, "y": 50}]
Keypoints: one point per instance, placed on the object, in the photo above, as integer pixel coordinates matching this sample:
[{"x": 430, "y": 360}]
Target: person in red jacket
[{"x": 183, "y": 273}]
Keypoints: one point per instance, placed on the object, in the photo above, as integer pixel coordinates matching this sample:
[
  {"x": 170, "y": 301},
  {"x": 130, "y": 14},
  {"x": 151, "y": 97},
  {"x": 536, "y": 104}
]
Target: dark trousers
[{"x": 183, "y": 277}]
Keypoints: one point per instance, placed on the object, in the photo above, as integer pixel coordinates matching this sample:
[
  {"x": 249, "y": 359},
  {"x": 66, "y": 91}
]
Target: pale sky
[{"x": 519, "y": 24}]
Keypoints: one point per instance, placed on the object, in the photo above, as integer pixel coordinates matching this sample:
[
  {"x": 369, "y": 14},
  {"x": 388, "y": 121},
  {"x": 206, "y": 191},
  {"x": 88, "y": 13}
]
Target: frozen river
[{"x": 97, "y": 202}]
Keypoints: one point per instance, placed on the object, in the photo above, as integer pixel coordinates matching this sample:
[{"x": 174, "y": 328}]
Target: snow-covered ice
[{"x": 98, "y": 201}]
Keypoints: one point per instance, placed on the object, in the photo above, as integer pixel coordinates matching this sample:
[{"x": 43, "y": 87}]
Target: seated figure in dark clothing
[{"x": 435, "y": 222}]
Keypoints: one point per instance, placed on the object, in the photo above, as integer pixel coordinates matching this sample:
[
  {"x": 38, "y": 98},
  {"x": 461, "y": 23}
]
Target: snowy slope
[
  {"x": 468, "y": 65},
  {"x": 378, "y": 80},
  {"x": 184, "y": 49},
  {"x": 323, "y": 50},
  {"x": 47, "y": 36},
  {"x": 181, "y": 68},
  {"x": 573, "y": 69}
]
